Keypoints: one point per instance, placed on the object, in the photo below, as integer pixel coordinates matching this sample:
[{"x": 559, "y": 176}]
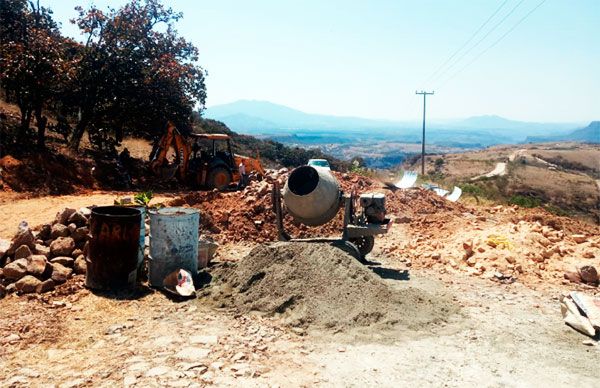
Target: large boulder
[
  {"x": 80, "y": 265},
  {"x": 588, "y": 274},
  {"x": 59, "y": 230},
  {"x": 15, "y": 270},
  {"x": 22, "y": 252},
  {"x": 78, "y": 219},
  {"x": 44, "y": 233},
  {"x": 39, "y": 267},
  {"x": 62, "y": 217},
  {"x": 63, "y": 260},
  {"x": 80, "y": 234},
  {"x": 60, "y": 273},
  {"x": 23, "y": 237},
  {"x": 27, "y": 284},
  {"x": 45, "y": 286},
  {"x": 42, "y": 250},
  {"x": 71, "y": 227},
  {"x": 62, "y": 246}
]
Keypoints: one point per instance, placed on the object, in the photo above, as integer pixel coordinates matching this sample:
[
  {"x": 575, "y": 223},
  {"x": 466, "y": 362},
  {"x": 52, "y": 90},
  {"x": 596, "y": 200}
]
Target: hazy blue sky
[{"x": 366, "y": 58}]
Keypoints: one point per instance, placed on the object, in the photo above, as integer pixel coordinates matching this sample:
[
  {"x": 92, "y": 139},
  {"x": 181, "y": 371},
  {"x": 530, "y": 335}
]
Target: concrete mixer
[{"x": 313, "y": 197}]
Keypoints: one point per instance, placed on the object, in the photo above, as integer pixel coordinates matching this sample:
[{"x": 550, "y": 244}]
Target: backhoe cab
[{"x": 208, "y": 162}]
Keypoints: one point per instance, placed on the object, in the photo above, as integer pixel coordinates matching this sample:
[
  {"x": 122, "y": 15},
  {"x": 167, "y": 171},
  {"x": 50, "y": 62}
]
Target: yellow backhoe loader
[{"x": 201, "y": 160}]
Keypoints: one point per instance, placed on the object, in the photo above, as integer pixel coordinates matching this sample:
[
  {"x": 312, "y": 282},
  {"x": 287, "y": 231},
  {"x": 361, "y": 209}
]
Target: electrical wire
[
  {"x": 480, "y": 40},
  {"x": 466, "y": 42},
  {"x": 494, "y": 44}
]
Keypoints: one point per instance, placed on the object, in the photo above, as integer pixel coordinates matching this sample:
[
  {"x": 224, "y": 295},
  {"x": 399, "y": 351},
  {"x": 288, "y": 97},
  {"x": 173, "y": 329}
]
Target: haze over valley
[{"x": 384, "y": 143}]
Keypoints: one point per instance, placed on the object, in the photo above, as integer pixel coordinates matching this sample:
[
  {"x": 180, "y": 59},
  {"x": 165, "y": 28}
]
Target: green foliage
[
  {"x": 439, "y": 162},
  {"x": 132, "y": 74},
  {"x": 32, "y": 67},
  {"x": 470, "y": 188},
  {"x": 359, "y": 170},
  {"x": 557, "y": 210},
  {"x": 525, "y": 201},
  {"x": 143, "y": 198}
]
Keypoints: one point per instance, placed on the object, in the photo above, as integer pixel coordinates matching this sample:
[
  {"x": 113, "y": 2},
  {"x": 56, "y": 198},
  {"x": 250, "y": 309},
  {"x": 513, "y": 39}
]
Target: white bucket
[{"x": 173, "y": 242}]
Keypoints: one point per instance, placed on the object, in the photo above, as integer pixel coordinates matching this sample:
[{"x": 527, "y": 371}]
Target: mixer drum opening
[{"x": 303, "y": 180}]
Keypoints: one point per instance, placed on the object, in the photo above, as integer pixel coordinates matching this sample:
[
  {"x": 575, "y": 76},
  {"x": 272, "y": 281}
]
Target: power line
[
  {"x": 480, "y": 40},
  {"x": 495, "y": 43},
  {"x": 467, "y": 42}
]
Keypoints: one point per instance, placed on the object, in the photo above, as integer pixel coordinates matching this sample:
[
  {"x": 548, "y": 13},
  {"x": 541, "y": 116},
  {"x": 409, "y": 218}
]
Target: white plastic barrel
[{"x": 173, "y": 242}]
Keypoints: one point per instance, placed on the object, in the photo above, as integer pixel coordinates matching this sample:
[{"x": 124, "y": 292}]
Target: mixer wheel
[
  {"x": 364, "y": 244},
  {"x": 351, "y": 249}
]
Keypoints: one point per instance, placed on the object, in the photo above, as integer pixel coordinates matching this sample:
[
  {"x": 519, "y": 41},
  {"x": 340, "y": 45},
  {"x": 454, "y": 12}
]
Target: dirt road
[
  {"x": 41, "y": 210},
  {"x": 499, "y": 170},
  {"x": 504, "y": 335}
]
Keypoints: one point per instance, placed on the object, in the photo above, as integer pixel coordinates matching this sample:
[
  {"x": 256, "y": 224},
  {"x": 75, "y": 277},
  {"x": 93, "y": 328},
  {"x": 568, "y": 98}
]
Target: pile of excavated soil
[
  {"x": 247, "y": 215},
  {"x": 319, "y": 285}
]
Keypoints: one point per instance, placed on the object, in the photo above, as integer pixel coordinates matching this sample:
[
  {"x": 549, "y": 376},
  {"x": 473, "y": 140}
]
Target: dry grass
[
  {"x": 588, "y": 156},
  {"x": 559, "y": 186}
]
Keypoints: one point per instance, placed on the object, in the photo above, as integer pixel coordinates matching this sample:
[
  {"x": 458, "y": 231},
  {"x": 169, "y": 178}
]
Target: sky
[{"x": 367, "y": 58}]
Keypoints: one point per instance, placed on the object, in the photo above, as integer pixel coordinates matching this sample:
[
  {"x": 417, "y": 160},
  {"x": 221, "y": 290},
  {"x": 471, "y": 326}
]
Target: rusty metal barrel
[
  {"x": 173, "y": 242},
  {"x": 312, "y": 196},
  {"x": 114, "y": 246}
]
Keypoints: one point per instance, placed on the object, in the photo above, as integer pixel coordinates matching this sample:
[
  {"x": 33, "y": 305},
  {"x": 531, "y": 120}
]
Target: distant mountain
[
  {"x": 589, "y": 134},
  {"x": 266, "y": 118},
  {"x": 515, "y": 130}
]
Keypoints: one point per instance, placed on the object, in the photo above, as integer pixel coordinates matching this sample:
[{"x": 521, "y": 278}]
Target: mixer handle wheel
[{"x": 364, "y": 245}]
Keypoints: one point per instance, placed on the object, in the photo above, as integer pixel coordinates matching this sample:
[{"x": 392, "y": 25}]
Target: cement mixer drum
[{"x": 312, "y": 196}]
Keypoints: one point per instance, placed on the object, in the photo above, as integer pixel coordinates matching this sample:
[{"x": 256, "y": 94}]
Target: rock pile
[
  {"x": 37, "y": 261},
  {"x": 488, "y": 245}
]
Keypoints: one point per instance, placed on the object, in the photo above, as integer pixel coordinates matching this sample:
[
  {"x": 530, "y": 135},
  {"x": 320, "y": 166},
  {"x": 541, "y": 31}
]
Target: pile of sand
[{"x": 319, "y": 285}]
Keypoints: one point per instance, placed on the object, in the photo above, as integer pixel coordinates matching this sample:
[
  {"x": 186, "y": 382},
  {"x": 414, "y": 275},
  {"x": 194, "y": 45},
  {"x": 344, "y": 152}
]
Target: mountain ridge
[{"x": 266, "y": 118}]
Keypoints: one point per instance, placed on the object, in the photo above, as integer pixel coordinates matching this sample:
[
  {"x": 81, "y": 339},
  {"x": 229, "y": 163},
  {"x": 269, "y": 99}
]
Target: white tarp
[
  {"x": 455, "y": 195},
  {"x": 408, "y": 180}
]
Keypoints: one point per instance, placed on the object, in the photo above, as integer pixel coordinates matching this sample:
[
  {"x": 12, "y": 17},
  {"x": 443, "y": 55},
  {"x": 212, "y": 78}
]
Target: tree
[
  {"x": 134, "y": 72},
  {"x": 31, "y": 61}
]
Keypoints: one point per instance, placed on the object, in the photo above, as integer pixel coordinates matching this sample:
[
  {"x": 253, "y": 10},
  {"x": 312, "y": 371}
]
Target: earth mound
[{"x": 319, "y": 285}]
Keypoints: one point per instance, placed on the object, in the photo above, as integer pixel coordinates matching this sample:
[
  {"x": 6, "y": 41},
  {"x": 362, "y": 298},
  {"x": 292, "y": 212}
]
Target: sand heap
[{"x": 319, "y": 285}]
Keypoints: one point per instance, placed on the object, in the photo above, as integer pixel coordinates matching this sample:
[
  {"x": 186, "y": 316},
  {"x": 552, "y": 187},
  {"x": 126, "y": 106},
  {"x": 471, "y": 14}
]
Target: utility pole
[{"x": 423, "y": 142}]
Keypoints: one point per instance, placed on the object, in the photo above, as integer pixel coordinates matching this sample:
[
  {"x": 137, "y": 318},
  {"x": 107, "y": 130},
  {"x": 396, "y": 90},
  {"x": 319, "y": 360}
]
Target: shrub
[{"x": 523, "y": 201}]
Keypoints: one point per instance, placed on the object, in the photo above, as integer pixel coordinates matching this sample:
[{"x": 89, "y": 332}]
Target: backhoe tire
[{"x": 219, "y": 178}]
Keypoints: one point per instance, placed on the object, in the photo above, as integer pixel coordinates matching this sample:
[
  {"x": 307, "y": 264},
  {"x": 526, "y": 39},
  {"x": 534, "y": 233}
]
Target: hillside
[
  {"x": 563, "y": 178},
  {"x": 57, "y": 170},
  {"x": 272, "y": 153},
  {"x": 589, "y": 134}
]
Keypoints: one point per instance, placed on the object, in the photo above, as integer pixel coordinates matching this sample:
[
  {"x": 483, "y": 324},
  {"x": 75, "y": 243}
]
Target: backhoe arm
[{"x": 158, "y": 160}]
